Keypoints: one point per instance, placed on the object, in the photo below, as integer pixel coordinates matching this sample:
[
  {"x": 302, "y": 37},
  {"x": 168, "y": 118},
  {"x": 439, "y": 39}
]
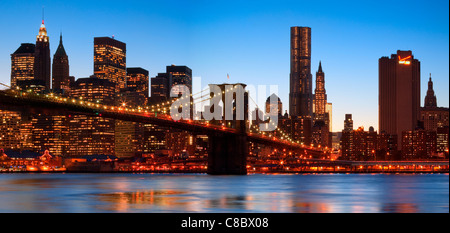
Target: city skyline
[{"x": 245, "y": 66}]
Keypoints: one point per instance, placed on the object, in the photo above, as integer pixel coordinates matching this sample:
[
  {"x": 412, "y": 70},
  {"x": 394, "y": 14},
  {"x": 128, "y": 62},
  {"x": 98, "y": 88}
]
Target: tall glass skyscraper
[{"x": 300, "y": 96}]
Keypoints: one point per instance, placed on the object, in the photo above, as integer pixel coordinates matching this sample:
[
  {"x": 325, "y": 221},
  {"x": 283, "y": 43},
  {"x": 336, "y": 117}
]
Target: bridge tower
[{"x": 227, "y": 154}]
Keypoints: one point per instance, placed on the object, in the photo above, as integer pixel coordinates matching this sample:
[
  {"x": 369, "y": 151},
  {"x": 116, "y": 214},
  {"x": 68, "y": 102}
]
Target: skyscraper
[
  {"x": 136, "y": 92},
  {"x": 179, "y": 75},
  {"x": 137, "y": 78},
  {"x": 430, "y": 98},
  {"x": 348, "y": 123},
  {"x": 300, "y": 96},
  {"x": 399, "y": 93},
  {"x": 22, "y": 64},
  {"x": 90, "y": 135},
  {"x": 110, "y": 61},
  {"x": 42, "y": 57},
  {"x": 320, "y": 96},
  {"x": 160, "y": 88},
  {"x": 60, "y": 69}
]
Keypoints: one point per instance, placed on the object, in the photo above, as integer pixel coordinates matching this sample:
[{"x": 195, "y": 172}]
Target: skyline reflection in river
[{"x": 312, "y": 193}]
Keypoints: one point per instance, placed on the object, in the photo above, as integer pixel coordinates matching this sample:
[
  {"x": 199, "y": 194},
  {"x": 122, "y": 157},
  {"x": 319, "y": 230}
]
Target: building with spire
[
  {"x": 42, "y": 57},
  {"x": 60, "y": 69},
  {"x": 431, "y": 115},
  {"x": 430, "y": 98},
  {"x": 320, "y": 96},
  {"x": 321, "y": 120}
]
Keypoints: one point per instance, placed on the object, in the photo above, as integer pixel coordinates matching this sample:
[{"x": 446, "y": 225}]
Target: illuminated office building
[
  {"x": 179, "y": 75},
  {"x": 442, "y": 142},
  {"x": 94, "y": 90},
  {"x": 22, "y": 63},
  {"x": 399, "y": 93},
  {"x": 138, "y": 78},
  {"x": 10, "y": 130},
  {"x": 160, "y": 88},
  {"x": 155, "y": 139},
  {"x": 180, "y": 144},
  {"x": 348, "y": 123},
  {"x": 359, "y": 145},
  {"x": 136, "y": 92},
  {"x": 329, "y": 111},
  {"x": 110, "y": 61},
  {"x": 418, "y": 144},
  {"x": 92, "y": 135},
  {"x": 42, "y": 57},
  {"x": 50, "y": 133},
  {"x": 300, "y": 96},
  {"x": 129, "y": 139}
]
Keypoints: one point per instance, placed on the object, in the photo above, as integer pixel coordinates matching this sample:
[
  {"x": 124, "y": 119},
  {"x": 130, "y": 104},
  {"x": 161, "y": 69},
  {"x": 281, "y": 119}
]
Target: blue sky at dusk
[{"x": 249, "y": 40}]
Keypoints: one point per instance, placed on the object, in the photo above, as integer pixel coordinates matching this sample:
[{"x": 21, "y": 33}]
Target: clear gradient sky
[{"x": 249, "y": 40}]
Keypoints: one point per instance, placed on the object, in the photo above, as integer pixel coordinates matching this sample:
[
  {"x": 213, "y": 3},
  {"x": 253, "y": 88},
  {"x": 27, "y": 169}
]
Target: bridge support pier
[{"x": 227, "y": 154}]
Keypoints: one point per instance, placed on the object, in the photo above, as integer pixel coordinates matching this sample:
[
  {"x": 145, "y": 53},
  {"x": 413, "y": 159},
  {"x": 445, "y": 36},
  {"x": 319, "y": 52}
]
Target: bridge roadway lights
[{"x": 227, "y": 154}]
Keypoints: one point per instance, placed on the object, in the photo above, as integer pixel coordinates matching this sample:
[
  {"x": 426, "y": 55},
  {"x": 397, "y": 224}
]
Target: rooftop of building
[{"x": 25, "y": 48}]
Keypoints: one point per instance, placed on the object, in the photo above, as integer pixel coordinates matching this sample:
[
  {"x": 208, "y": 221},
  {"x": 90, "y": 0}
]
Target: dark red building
[{"x": 399, "y": 93}]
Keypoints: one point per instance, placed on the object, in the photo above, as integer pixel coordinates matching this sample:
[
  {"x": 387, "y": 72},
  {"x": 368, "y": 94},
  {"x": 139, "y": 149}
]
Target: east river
[{"x": 172, "y": 193}]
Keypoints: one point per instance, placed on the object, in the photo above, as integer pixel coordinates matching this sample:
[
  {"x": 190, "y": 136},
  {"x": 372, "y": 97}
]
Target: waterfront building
[
  {"x": 129, "y": 139},
  {"x": 442, "y": 143},
  {"x": 180, "y": 144},
  {"x": 418, "y": 144},
  {"x": 155, "y": 139},
  {"x": 50, "y": 133},
  {"x": 92, "y": 135},
  {"x": 359, "y": 144},
  {"x": 10, "y": 130}
]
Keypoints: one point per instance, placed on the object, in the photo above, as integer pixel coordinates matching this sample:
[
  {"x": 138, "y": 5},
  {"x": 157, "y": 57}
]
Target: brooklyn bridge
[{"x": 228, "y": 140}]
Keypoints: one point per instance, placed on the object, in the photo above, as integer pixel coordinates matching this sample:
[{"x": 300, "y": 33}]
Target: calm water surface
[{"x": 312, "y": 193}]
